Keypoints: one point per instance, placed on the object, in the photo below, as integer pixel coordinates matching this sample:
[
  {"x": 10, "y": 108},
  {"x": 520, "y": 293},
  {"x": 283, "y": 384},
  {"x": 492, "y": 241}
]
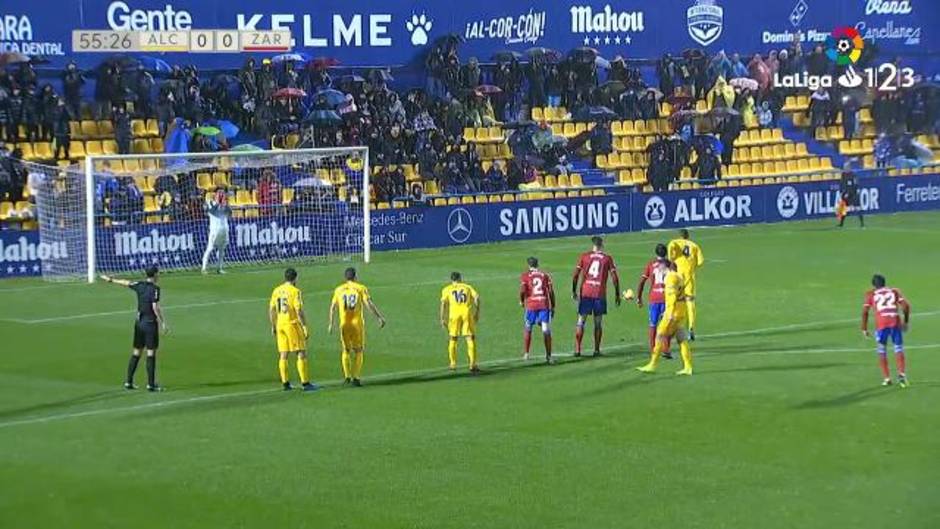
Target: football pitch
[{"x": 783, "y": 425}]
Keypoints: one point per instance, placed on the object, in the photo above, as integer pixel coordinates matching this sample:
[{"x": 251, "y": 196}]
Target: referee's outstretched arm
[{"x": 116, "y": 281}]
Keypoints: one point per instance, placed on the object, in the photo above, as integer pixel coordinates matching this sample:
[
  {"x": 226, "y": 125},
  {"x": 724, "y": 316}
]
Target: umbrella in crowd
[
  {"x": 721, "y": 112},
  {"x": 744, "y": 83},
  {"x": 381, "y": 75},
  {"x": 507, "y": 56},
  {"x": 682, "y": 115},
  {"x": 679, "y": 100},
  {"x": 7, "y": 59},
  {"x": 601, "y": 62},
  {"x": 323, "y": 117},
  {"x": 289, "y": 93},
  {"x": 546, "y": 53},
  {"x": 154, "y": 64},
  {"x": 246, "y": 147},
  {"x": 350, "y": 79},
  {"x": 284, "y": 57},
  {"x": 597, "y": 113},
  {"x": 331, "y": 96},
  {"x": 207, "y": 131},
  {"x": 322, "y": 62},
  {"x": 656, "y": 93},
  {"x": 487, "y": 89},
  {"x": 228, "y": 129},
  {"x": 583, "y": 54},
  {"x": 612, "y": 88}
]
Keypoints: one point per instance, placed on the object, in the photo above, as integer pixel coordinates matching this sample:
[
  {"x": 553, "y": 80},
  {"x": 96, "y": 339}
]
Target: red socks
[{"x": 883, "y": 362}]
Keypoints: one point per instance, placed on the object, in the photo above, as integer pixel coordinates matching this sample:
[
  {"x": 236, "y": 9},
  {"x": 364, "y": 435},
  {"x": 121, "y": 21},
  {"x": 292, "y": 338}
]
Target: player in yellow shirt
[
  {"x": 688, "y": 258},
  {"x": 674, "y": 323},
  {"x": 349, "y": 299},
  {"x": 460, "y": 312},
  {"x": 289, "y": 326}
]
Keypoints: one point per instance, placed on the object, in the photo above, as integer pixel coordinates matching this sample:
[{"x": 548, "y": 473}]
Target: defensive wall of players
[{"x": 128, "y": 248}]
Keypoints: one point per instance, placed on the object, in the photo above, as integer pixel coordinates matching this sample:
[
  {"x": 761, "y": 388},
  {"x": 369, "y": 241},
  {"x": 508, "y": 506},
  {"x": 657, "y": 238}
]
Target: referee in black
[
  {"x": 849, "y": 191},
  {"x": 150, "y": 322}
]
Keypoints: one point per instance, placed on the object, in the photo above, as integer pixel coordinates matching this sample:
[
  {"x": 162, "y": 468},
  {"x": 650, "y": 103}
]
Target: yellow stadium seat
[
  {"x": 789, "y": 150},
  {"x": 766, "y": 136},
  {"x": 156, "y": 144},
  {"x": 766, "y": 153},
  {"x": 550, "y": 181},
  {"x": 43, "y": 151},
  {"x": 780, "y": 167},
  {"x": 109, "y": 146},
  {"x": 93, "y": 148},
  {"x": 537, "y": 114},
  {"x": 558, "y": 129},
  {"x": 132, "y": 165},
  {"x": 734, "y": 170},
  {"x": 779, "y": 153},
  {"x": 826, "y": 163},
  {"x": 77, "y": 150},
  {"x": 140, "y": 146},
  {"x": 623, "y": 176},
  {"x": 508, "y": 197},
  {"x": 564, "y": 181},
  {"x": 628, "y": 128},
  {"x": 569, "y": 130},
  {"x": 601, "y": 161},
  {"x": 139, "y": 128},
  {"x": 496, "y": 134},
  {"x": 453, "y": 201},
  {"x": 792, "y": 166},
  {"x": 105, "y": 128},
  {"x": 776, "y": 135},
  {"x": 801, "y": 149},
  {"x": 153, "y": 128},
  {"x": 89, "y": 129},
  {"x": 756, "y": 154},
  {"x": 495, "y": 199},
  {"x": 576, "y": 180},
  {"x": 640, "y": 127},
  {"x": 814, "y": 163},
  {"x": 75, "y": 129},
  {"x": 616, "y": 128},
  {"x": 204, "y": 181},
  {"x": 220, "y": 179}
]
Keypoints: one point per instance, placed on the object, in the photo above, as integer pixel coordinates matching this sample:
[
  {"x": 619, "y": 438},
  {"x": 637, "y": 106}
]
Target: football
[{"x": 628, "y": 294}]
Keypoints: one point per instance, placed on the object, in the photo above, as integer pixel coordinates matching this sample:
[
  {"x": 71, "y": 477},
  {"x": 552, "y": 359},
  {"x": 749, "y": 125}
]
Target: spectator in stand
[
  {"x": 738, "y": 69},
  {"x": 563, "y": 167},
  {"x": 849, "y": 117},
  {"x": 143, "y": 90},
  {"x": 819, "y": 108},
  {"x": 882, "y": 150},
  {"x": 648, "y": 106},
  {"x": 765, "y": 117},
  {"x": 14, "y": 166},
  {"x": 122, "y": 130},
  {"x": 269, "y": 192},
  {"x": 26, "y": 77},
  {"x": 553, "y": 86},
  {"x": 817, "y": 63},
  {"x": 721, "y": 95},
  {"x": 495, "y": 179},
  {"x": 14, "y": 107},
  {"x": 515, "y": 175},
  {"x": 602, "y": 138},
  {"x": 30, "y": 114},
  {"x": 744, "y": 104},
  {"x": 470, "y": 75},
  {"x": 707, "y": 167},
  {"x": 46, "y": 108},
  {"x": 6, "y": 179},
  {"x": 728, "y": 131},
  {"x": 61, "y": 130},
  {"x": 72, "y": 82},
  {"x": 165, "y": 183},
  {"x": 5, "y": 116},
  {"x": 760, "y": 72}
]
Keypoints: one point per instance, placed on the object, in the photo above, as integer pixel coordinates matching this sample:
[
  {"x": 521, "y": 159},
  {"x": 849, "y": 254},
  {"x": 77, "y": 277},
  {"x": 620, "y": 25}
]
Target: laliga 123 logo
[{"x": 844, "y": 46}]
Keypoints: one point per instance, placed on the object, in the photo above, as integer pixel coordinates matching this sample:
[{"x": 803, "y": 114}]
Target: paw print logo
[{"x": 419, "y": 26}]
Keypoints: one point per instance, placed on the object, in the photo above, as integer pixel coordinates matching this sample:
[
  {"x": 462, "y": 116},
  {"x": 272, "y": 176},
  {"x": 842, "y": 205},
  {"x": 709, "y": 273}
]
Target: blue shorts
[
  {"x": 595, "y": 306},
  {"x": 894, "y": 333},
  {"x": 656, "y": 313},
  {"x": 537, "y": 317}
]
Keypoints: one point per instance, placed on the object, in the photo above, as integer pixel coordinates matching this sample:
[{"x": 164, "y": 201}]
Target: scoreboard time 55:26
[{"x": 197, "y": 41}]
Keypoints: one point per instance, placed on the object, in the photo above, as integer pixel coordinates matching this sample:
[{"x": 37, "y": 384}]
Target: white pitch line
[{"x": 442, "y": 370}]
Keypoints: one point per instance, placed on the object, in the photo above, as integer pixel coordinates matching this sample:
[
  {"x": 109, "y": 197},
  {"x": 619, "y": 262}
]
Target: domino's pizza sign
[{"x": 705, "y": 20}]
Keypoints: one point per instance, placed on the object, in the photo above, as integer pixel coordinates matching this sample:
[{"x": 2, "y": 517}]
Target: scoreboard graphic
[{"x": 191, "y": 41}]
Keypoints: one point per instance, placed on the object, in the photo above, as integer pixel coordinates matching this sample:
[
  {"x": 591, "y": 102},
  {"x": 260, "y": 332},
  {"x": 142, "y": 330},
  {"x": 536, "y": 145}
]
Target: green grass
[{"x": 783, "y": 425}]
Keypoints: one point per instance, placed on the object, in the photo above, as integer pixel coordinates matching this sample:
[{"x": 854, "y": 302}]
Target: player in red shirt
[
  {"x": 887, "y": 301},
  {"x": 592, "y": 271},
  {"x": 655, "y": 273},
  {"x": 537, "y": 295}
]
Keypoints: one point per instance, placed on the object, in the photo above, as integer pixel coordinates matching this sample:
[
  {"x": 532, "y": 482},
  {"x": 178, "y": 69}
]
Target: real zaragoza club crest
[{"x": 705, "y": 20}]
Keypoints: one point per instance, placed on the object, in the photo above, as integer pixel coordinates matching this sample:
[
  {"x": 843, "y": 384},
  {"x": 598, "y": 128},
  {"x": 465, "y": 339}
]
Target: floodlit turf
[{"x": 784, "y": 424}]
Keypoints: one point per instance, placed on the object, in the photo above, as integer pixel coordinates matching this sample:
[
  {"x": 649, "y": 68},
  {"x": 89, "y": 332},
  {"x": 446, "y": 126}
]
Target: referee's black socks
[
  {"x": 132, "y": 368},
  {"x": 152, "y": 370}
]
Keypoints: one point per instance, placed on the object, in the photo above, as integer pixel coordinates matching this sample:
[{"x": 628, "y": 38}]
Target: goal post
[{"x": 122, "y": 213}]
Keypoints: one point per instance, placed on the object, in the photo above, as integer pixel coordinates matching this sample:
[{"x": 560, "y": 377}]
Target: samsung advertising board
[{"x": 364, "y": 32}]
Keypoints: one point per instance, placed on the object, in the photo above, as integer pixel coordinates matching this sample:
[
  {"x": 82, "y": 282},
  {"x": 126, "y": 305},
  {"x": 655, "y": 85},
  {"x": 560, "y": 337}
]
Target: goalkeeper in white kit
[{"x": 218, "y": 211}]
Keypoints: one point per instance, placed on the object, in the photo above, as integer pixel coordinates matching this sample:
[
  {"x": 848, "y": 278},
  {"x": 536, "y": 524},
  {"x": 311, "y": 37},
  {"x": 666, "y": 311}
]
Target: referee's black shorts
[{"x": 146, "y": 335}]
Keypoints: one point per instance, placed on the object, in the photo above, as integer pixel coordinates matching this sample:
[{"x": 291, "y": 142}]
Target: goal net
[{"x": 122, "y": 213}]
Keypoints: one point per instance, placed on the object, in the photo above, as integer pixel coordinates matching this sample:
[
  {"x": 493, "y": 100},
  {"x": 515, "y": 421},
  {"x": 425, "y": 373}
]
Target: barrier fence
[{"x": 128, "y": 246}]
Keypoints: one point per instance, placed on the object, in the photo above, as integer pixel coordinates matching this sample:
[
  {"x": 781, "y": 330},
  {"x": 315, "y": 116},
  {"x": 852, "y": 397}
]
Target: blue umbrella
[
  {"x": 154, "y": 64},
  {"x": 296, "y": 57},
  {"x": 323, "y": 117},
  {"x": 229, "y": 129},
  {"x": 593, "y": 114},
  {"x": 333, "y": 97}
]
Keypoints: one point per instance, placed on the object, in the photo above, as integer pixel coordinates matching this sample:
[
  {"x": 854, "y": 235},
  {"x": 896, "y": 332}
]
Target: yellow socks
[
  {"x": 686, "y": 353},
  {"x": 471, "y": 351},
  {"x": 654, "y": 358},
  {"x": 303, "y": 370},
  {"x": 452, "y": 352},
  {"x": 690, "y": 309},
  {"x": 282, "y": 370},
  {"x": 347, "y": 364},
  {"x": 357, "y": 367}
]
